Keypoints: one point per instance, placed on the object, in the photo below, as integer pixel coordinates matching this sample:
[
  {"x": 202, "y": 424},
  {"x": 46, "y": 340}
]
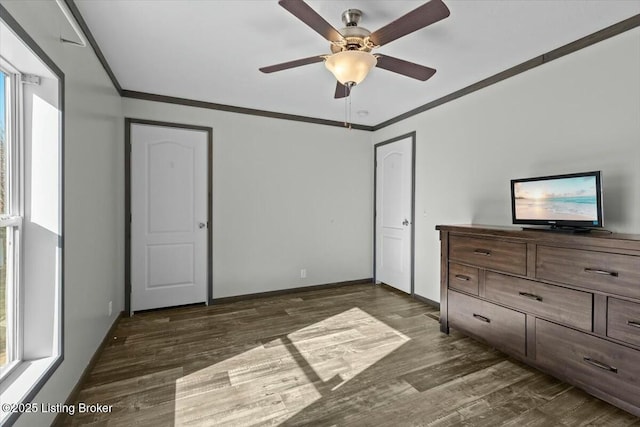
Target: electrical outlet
[
  {"x": 110, "y": 307},
  {"x": 303, "y": 273}
]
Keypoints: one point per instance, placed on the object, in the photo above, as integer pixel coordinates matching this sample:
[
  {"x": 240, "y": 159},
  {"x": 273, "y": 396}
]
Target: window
[
  {"x": 31, "y": 96},
  {"x": 5, "y": 347},
  {"x": 10, "y": 222}
]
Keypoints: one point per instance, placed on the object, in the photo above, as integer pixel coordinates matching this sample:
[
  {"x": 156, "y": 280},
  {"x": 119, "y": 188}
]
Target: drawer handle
[
  {"x": 463, "y": 278},
  {"x": 600, "y": 365},
  {"x": 603, "y": 272},
  {"x": 530, "y": 296},
  {"x": 633, "y": 323},
  {"x": 484, "y": 319},
  {"x": 483, "y": 252}
]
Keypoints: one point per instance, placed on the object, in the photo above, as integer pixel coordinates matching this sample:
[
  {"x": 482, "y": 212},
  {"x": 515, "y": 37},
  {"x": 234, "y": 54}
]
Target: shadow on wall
[
  {"x": 616, "y": 206},
  {"x": 494, "y": 210}
]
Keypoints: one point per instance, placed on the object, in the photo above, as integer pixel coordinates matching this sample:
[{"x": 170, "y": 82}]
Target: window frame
[{"x": 30, "y": 375}]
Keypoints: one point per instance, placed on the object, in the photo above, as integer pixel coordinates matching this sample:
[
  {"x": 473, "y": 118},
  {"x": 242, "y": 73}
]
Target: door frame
[
  {"x": 128, "y": 121},
  {"x": 411, "y": 135}
]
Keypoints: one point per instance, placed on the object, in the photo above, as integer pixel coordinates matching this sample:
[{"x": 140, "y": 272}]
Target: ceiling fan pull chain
[
  {"x": 349, "y": 98},
  {"x": 346, "y": 104}
]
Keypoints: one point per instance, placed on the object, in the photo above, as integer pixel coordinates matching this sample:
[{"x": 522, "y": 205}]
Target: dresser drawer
[
  {"x": 463, "y": 278},
  {"x": 499, "y": 255},
  {"x": 499, "y": 326},
  {"x": 623, "y": 321},
  {"x": 589, "y": 361},
  {"x": 617, "y": 274},
  {"x": 573, "y": 308}
]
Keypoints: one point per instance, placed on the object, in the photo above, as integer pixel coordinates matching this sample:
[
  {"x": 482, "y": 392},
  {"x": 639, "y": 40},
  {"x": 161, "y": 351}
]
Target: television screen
[{"x": 571, "y": 200}]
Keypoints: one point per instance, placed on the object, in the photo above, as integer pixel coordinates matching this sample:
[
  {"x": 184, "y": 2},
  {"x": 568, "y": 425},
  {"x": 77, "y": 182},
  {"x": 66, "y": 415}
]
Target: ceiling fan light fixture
[{"x": 350, "y": 66}]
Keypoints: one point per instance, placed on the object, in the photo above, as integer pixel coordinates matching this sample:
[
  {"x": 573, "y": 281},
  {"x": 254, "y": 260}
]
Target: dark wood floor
[{"x": 355, "y": 355}]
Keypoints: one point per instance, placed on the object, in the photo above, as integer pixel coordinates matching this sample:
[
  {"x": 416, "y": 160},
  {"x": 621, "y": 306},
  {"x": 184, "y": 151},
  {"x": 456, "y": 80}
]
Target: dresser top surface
[{"x": 596, "y": 238}]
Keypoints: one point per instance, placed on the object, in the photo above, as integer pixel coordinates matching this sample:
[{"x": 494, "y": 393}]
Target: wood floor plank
[
  {"x": 506, "y": 403},
  {"x": 580, "y": 408},
  {"x": 345, "y": 403},
  {"x": 433, "y": 404},
  {"x": 533, "y": 418},
  {"x": 344, "y": 356},
  {"x": 455, "y": 367},
  {"x": 127, "y": 386}
]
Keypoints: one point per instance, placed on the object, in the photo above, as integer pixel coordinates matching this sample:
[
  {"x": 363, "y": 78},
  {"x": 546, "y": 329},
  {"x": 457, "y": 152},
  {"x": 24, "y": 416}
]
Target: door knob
[
  {"x": 405, "y": 222},
  {"x": 202, "y": 224}
]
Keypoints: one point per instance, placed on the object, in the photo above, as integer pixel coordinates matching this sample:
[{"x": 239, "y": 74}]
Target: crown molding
[
  {"x": 572, "y": 47},
  {"x": 94, "y": 44},
  {"x": 234, "y": 109}
]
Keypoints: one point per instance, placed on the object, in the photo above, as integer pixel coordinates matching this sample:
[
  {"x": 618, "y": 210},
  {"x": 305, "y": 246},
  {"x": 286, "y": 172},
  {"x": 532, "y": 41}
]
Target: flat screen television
[{"x": 571, "y": 201}]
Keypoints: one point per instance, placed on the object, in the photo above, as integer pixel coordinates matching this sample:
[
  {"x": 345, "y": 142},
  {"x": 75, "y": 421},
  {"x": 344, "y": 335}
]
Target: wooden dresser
[{"x": 568, "y": 304}]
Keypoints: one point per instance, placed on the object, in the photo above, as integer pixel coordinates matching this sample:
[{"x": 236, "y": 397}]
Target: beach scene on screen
[{"x": 557, "y": 199}]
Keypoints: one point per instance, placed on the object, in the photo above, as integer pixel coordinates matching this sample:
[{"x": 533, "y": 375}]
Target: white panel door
[
  {"x": 168, "y": 216},
  {"x": 394, "y": 217}
]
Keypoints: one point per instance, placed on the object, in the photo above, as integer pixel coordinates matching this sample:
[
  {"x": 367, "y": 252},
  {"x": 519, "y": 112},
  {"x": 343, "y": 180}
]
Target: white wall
[
  {"x": 578, "y": 113},
  {"x": 94, "y": 194},
  {"x": 286, "y": 196}
]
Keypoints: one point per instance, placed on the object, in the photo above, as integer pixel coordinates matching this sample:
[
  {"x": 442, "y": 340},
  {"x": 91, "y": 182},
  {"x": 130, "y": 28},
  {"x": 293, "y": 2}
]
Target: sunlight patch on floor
[
  {"x": 274, "y": 381},
  {"x": 354, "y": 337}
]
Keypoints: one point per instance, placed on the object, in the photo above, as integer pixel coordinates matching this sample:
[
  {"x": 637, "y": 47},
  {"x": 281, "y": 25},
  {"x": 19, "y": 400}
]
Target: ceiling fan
[{"x": 351, "y": 58}]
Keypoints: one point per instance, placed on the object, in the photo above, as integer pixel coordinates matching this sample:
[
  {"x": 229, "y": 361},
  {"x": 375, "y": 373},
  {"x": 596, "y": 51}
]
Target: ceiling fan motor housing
[
  {"x": 351, "y": 17},
  {"x": 353, "y": 36}
]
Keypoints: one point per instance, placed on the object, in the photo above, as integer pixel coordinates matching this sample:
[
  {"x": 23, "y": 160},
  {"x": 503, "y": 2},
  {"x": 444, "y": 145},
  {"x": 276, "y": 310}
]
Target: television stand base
[{"x": 563, "y": 229}]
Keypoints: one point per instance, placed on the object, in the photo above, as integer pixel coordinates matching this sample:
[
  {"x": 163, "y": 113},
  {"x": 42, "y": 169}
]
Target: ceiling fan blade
[
  {"x": 427, "y": 14},
  {"x": 406, "y": 68},
  {"x": 342, "y": 91},
  {"x": 292, "y": 64},
  {"x": 306, "y": 14}
]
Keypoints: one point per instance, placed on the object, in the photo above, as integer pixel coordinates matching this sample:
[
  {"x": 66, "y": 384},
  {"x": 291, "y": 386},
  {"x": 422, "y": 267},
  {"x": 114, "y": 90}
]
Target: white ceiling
[{"x": 210, "y": 50}]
